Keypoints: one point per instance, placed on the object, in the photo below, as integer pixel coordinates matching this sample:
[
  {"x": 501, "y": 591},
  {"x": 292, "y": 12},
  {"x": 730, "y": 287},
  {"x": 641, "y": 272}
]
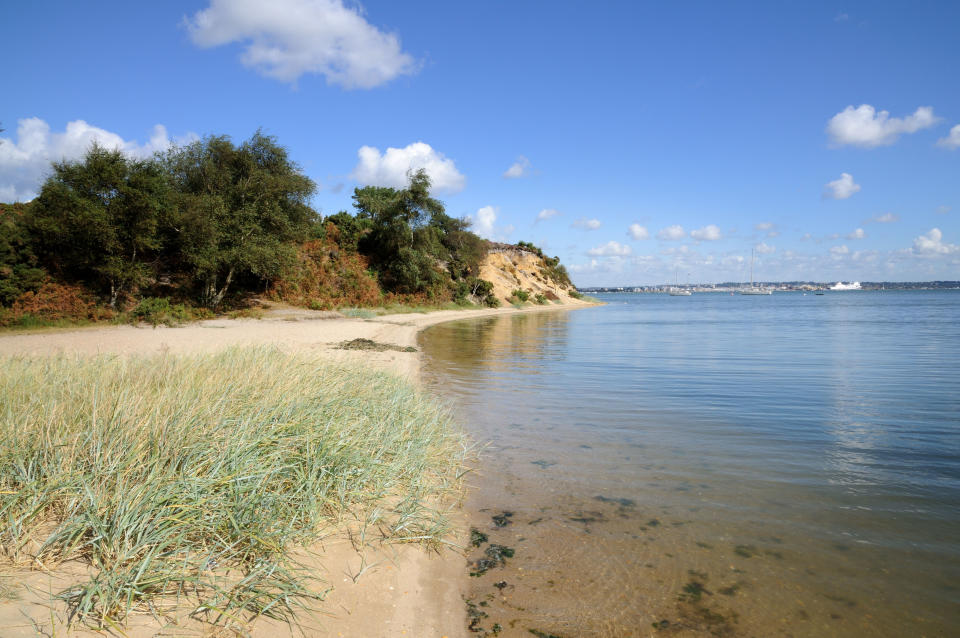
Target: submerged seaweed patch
[
  {"x": 477, "y": 538},
  {"x": 503, "y": 519},
  {"x": 495, "y": 555}
]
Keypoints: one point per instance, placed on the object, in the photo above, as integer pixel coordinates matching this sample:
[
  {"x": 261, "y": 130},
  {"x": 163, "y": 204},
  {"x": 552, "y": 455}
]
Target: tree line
[{"x": 212, "y": 221}]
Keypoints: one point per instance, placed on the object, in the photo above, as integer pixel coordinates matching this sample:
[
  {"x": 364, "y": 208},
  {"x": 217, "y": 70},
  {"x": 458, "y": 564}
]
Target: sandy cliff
[{"x": 510, "y": 268}]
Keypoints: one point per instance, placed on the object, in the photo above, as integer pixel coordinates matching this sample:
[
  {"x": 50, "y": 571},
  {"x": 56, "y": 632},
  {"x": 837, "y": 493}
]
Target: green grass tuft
[{"x": 194, "y": 477}]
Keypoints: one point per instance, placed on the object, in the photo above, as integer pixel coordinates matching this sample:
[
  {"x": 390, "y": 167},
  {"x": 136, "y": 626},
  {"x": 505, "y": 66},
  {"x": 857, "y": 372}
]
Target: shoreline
[{"x": 383, "y": 590}]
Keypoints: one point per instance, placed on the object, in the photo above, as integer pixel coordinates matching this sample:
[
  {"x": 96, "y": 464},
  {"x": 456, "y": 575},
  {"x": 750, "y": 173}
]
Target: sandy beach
[{"x": 378, "y": 590}]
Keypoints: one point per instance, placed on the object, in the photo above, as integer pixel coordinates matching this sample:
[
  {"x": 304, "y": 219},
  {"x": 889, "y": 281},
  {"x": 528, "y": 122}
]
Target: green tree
[
  {"x": 240, "y": 210},
  {"x": 19, "y": 270},
  {"x": 401, "y": 244},
  {"x": 98, "y": 220}
]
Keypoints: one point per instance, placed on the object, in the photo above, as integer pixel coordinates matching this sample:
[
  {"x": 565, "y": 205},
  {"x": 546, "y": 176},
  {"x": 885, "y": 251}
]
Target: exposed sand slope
[
  {"x": 510, "y": 268},
  {"x": 407, "y": 591}
]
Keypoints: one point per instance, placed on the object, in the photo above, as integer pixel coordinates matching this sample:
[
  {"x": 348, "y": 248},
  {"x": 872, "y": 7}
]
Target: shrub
[
  {"x": 576, "y": 294},
  {"x": 541, "y": 299},
  {"x": 491, "y": 301},
  {"x": 520, "y": 296},
  {"x": 158, "y": 310}
]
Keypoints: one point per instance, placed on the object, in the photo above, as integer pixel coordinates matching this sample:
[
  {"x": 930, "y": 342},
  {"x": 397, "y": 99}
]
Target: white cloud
[
  {"x": 866, "y": 127},
  {"x": 707, "y": 233},
  {"x": 857, "y": 234},
  {"x": 484, "y": 221},
  {"x": 547, "y": 213},
  {"x": 886, "y": 218},
  {"x": 586, "y": 224},
  {"x": 943, "y": 210},
  {"x": 391, "y": 168},
  {"x": 24, "y": 164},
  {"x": 838, "y": 251},
  {"x": 286, "y": 38},
  {"x": 932, "y": 244},
  {"x": 672, "y": 233},
  {"x": 806, "y": 237},
  {"x": 638, "y": 232},
  {"x": 951, "y": 141},
  {"x": 765, "y": 249},
  {"x": 842, "y": 188},
  {"x": 764, "y": 226},
  {"x": 520, "y": 168},
  {"x": 610, "y": 249}
]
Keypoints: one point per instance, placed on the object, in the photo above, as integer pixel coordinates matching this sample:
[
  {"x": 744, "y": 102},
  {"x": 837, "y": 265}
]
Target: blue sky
[{"x": 635, "y": 140}]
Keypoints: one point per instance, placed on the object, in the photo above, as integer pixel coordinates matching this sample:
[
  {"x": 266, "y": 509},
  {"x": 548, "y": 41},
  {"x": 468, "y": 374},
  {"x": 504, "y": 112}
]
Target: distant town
[{"x": 784, "y": 286}]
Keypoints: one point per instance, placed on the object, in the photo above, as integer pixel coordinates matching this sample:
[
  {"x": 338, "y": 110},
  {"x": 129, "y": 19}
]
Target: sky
[{"x": 641, "y": 142}]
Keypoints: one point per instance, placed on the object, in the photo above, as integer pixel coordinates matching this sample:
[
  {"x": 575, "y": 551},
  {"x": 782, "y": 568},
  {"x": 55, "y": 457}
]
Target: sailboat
[
  {"x": 754, "y": 290},
  {"x": 677, "y": 291}
]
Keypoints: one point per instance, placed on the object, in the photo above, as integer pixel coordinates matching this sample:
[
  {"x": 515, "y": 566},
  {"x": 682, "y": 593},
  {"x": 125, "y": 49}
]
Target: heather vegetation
[{"x": 206, "y": 226}]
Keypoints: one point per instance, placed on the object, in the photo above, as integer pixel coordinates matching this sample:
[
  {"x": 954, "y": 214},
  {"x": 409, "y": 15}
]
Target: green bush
[
  {"x": 541, "y": 299},
  {"x": 520, "y": 295},
  {"x": 491, "y": 301},
  {"x": 158, "y": 310},
  {"x": 576, "y": 294}
]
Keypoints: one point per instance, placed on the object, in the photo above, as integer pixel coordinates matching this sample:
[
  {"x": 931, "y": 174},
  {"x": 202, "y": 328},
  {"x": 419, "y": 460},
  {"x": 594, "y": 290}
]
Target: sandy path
[{"x": 407, "y": 591}]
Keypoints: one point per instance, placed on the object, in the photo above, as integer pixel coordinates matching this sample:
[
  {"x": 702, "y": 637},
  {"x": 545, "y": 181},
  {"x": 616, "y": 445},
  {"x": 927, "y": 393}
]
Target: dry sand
[{"x": 403, "y": 590}]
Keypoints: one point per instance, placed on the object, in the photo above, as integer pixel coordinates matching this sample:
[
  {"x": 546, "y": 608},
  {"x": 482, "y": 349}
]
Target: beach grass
[{"x": 197, "y": 478}]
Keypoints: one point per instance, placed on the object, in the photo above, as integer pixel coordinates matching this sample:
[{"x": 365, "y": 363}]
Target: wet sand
[{"x": 378, "y": 590}]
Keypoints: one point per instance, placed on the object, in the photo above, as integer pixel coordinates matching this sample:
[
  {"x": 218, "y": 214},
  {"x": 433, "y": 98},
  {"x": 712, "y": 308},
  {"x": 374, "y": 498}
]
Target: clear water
[{"x": 719, "y": 465}]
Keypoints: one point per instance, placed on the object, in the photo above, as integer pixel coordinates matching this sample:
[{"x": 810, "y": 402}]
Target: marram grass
[{"x": 195, "y": 477}]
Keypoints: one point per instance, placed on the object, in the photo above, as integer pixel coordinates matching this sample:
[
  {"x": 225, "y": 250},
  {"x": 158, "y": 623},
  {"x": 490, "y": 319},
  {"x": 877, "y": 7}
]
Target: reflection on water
[{"x": 728, "y": 466}]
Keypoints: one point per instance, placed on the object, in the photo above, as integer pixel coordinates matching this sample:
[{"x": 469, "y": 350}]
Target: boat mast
[{"x": 751, "y": 267}]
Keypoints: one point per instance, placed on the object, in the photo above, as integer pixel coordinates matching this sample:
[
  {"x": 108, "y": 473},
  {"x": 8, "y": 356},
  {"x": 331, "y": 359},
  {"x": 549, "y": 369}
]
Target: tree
[
  {"x": 239, "y": 210},
  {"x": 401, "y": 244},
  {"x": 19, "y": 271},
  {"x": 98, "y": 220}
]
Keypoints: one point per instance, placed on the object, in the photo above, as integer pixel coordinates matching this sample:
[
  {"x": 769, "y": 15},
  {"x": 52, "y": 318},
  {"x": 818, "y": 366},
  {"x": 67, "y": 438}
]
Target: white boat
[
  {"x": 754, "y": 290},
  {"x": 842, "y": 286},
  {"x": 677, "y": 291}
]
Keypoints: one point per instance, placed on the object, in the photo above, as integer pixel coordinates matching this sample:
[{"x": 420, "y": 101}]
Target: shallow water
[{"x": 715, "y": 465}]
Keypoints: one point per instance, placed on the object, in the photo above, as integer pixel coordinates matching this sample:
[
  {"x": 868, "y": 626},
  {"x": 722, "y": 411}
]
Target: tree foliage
[
  {"x": 98, "y": 220},
  {"x": 19, "y": 269},
  {"x": 240, "y": 209}
]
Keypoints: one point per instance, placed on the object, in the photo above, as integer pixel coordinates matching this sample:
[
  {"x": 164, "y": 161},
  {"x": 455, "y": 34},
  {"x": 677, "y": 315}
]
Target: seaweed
[
  {"x": 503, "y": 519},
  {"x": 477, "y": 538}
]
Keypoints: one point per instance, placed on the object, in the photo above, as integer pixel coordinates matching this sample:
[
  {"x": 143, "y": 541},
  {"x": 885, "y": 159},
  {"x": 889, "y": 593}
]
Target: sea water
[{"x": 714, "y": 464}]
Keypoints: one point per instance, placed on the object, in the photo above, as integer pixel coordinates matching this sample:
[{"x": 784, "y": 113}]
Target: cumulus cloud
[
  {"x": 764, "y": 249},
  {"x": 391, "y": 167},
  {"x": 610, "y": 249},
  {"x": 767, "y": 227},
  {"x": 483, "y": 222},
  {"x": 586, "y": 224},
  {"x": 932, "y": 244},
  {"x": 866, "y": 127},
  {"x": 951, "y": 141},
  {"x": 284, "y": 39},
  {"x": 841, "y": 188},
  {"x": 547, "y": 213},
  {"x": 886, "y": 218},
  {"x": 857, "y": 234},
  {"x": 520, "y": 168},
  {"x": 638, "y": 232},
  {"x": 839, "y": 251},
  {"x": 25, "y": 163},
  {"x": 672, "y": 233},
  {"x": 708, "y": 233}
]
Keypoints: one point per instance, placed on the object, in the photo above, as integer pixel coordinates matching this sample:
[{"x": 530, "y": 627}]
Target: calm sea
[{"x": 715, "y": 465}]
